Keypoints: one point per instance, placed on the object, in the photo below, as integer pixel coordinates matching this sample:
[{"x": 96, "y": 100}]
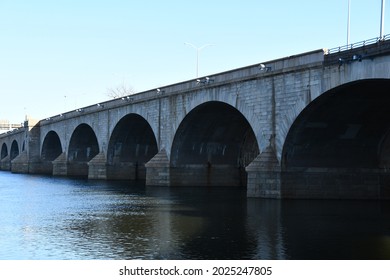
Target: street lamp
[
  {"x": 348, "y": 22},
  {"x": 197, "y": 54},
  {"x": 382, "y": 20}
]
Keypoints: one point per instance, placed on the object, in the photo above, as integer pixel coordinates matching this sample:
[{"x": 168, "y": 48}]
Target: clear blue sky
[{"x": 80, "y": 48}]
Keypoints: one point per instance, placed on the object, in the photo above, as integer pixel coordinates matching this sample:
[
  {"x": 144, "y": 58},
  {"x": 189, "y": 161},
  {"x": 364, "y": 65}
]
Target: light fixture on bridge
[
  {"x": 357, "y": 57},
  {"x": 206, "y": 80},
  {"x": 159, "y": 91},
  {"x": 100, "y": 105},
  {"x": 79, "y": 110},
  {"x": 264, "y": 68},
  {"x": 127, "y": 98},
  {"x": 48, "y": 119},
  {"x": 341, "y": 61}
]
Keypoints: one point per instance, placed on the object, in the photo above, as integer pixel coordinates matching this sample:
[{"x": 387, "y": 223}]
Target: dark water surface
[{"x": 57, "y": 218}]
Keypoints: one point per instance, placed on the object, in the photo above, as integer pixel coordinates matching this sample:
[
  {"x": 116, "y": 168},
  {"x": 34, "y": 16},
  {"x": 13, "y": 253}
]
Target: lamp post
[
  {"x": 197, "y": 54},
  {"x": 382, "y": 20},
  {"x": 349, "y": 21}
]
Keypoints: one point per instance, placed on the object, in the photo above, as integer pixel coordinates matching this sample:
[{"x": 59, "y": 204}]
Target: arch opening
[
  {"x": 14, "y": 150},
  {"x": 4, "y": 151},
  {"x": 340, "y": 140},
  {"x": 51, "y": 147},
  {"x": 83, "y": 147},
  {"x": 384, "y": 152},
  {"x": 212, "y": 146},
  {"x": 132, "y": 144}
]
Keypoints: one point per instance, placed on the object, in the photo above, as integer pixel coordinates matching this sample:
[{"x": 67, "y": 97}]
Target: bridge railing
[{"x": 358, "y": 44}]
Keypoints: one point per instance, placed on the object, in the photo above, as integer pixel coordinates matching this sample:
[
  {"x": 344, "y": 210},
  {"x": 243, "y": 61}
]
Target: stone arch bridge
[{"x": 314, "y": 125}]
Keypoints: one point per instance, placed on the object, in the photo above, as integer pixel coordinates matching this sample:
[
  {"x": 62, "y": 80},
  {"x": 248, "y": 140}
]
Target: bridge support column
[
  {"x": 60, "y": 165},
  {"x": 6, "y": 164},
  {"x": 157, "y": 170},
  {"x": 97, "y": 167},
  {"x": 264, "y": 176},
  {"x": 20, "y": 163}
]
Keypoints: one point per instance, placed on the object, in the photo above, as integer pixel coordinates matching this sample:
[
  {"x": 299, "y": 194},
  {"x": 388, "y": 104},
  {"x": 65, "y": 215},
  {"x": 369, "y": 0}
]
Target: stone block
[
  {"x": 60, "y": 165},
  {"x": 20, "y": 164},
  {"x": 97, "y": 168}
]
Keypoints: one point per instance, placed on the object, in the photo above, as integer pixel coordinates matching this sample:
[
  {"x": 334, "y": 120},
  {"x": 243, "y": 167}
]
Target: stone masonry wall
[{"x": 269, "y": 98}]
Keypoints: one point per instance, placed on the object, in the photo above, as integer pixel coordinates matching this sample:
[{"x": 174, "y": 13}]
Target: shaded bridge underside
[
  {"x": 212, "y": 147},
  {"x": 132, "y": 144},
  {"x": 344, "y": 136}
]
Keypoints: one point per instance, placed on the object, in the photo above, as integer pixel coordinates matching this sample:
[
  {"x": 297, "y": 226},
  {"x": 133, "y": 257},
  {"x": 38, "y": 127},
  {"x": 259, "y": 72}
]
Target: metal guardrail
[
  {"x": 10, "y": 126},
  {"x": 358, "y": 44}
]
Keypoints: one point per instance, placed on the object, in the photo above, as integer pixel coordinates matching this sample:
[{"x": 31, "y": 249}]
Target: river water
[{"x": 59, "y": 218}]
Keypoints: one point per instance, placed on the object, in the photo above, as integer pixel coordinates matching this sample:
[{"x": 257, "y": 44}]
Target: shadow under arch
[
  {"x": 14, "y": 150},
  {"x": 51, "y": 149},
  {"x": 212, "y": 146},
  {"x": 83, "y": 147},
  {"x": 4, "y": 151},
  {"x": 339, "y": 146},
  {"x": 132, "y": 144}
]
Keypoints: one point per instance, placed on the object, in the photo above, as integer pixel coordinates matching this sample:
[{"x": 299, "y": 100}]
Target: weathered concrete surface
[
  {"x": 230, "y": 129},
  {"x": 264, "y": 176},
  {"x": 97, "y": 167},
  {"x": 157, "y": 170}
]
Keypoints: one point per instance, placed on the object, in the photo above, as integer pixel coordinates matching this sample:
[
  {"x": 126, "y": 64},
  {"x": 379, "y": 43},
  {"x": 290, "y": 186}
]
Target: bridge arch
[
  {"x": 212, "y": 146},
  {"x": 14, "y": 150},
  {"x": 51, "y": 147},
  {"x": 341, "y": 137},
  {"x": 83, "y": 146},
  {"x": 132, "y": 144},
  {"x": 230, "y": 94},
  {"x": 4, "y": 151}
]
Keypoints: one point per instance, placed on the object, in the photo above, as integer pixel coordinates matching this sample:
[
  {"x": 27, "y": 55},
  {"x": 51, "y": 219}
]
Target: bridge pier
[
  {"x": 158, "y": 170},
  {"x": 264, "y": 175},
  {"x": 5, "y": 164},
  {"x": 20, "y": 164},
  {"x": 60, "y": 165},
  {"x": 97, "y": 167}
]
